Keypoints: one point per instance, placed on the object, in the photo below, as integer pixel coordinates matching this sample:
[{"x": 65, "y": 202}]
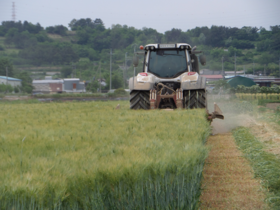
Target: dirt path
[{"x": 228, "y": 178}]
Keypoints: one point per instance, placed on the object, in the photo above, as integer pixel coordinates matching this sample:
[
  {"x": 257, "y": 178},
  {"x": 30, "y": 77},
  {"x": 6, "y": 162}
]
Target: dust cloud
[
  {"x": 230, "y": 122},
  {"x": 235, "y": 113}
]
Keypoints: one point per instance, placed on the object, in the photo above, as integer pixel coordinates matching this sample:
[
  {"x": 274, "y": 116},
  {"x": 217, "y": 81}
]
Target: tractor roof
[{"x": 168, "y": 46}]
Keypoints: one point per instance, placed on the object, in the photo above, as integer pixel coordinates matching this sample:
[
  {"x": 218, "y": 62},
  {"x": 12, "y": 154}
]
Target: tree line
[{"x": 93, "y": 41}]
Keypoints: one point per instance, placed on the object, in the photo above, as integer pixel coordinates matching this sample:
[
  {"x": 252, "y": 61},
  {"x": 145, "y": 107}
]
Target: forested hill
[{"x": 88, "y": 40}]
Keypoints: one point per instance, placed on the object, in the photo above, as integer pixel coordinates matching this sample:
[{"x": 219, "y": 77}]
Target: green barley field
[{"x": 89, "y": 155}]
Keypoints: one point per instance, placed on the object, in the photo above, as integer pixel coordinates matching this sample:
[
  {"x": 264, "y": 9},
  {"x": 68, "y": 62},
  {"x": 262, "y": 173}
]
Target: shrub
[
  {"x": 16, "y": 89},
  {"x": 120, "y": 91}
]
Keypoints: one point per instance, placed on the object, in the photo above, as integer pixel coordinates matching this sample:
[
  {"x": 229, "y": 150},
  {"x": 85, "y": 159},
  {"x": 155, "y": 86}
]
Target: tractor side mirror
[
  {"x": 135, "y": 61},
  {"x": 202, "y": 59}
]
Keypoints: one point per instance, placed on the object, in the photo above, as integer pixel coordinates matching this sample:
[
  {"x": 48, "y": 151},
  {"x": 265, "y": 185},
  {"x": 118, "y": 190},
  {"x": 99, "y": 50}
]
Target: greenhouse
[{"x": 239, "y": 80}]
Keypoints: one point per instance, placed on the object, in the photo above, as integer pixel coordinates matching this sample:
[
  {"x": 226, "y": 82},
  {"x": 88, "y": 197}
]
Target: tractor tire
[
  {"x": 195, "y": 99},
  {"x": 139, "y": 99}
]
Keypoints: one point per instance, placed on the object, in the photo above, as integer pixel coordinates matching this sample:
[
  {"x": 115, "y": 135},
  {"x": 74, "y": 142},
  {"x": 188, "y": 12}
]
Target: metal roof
[
  {"x": 10, "y": 78},
  {"x": 47, "y": 81},
  {"x": 71, "y": 79},
  {"x": 211, "y": 72},
  {"x": 213, "y": 76}
]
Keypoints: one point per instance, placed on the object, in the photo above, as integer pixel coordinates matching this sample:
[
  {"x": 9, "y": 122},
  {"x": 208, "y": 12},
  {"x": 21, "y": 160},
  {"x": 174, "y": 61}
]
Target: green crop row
[
  {"x": 258, "y": 96},
  {"x": 266, "y": 165},
  {"x": 92, "y": 156}
]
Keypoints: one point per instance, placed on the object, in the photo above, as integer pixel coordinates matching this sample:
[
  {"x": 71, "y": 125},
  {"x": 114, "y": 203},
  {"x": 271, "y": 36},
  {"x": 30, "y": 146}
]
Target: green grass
[
  {"x": 27, "y": 101},
  {"x": 12, "y": 51},
  {"x": 266, "y": 165},
  {"x": 263, "y": 102},
  {"x": 2, "y": 38},
  {"x": 81, "y": 95},
  {"x": 92, "y": 156},
  {"x": 70, "y": 95}
]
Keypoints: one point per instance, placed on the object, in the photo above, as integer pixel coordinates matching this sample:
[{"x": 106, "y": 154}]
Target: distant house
[
  {"x": 211, "y": 75},
  {"x": 233, "y": 73},
  {"x": 70, "y": 85},
  {"x": 10, "y": 81},
  {"x": 266, "y": 81},
  {"x": 47, "y": 86},
  {"x": 73, "y": 85},
  {"x": 211, "y": 72},
  {"x": 210, "y": 78}
]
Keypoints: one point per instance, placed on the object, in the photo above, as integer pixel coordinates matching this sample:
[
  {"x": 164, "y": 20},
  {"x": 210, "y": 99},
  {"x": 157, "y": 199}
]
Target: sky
[{"x": 162, "y": 15}]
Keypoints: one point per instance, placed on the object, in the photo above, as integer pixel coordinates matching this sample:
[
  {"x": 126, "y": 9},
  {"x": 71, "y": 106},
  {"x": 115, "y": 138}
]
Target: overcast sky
[{"x": 161, "y": 15}]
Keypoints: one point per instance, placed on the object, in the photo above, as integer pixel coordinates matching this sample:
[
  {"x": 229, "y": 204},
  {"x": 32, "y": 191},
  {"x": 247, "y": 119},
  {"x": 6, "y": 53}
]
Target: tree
[
  {"x": 59, "y": 29},
  {"x": 275, "y": 37},
  {"x": 217, "y": 36},
  {"x": 117, "y": 81},
  {"x": 264, "y": 45},
  {"x": 83, "y": 37},
  {"x": 84, "y": 23},
  {"x": 6, "y": 88},
  {"x": 201, "y": 38},
  {"x": 66, "y": 71},
  {"x": 176, "y": 35},
  {"x": 24, "y": 40},
  {"x": 6, "y": 63},
  {"x": 26, "y": 82},
  {"x": 242, "y": 44},
  {"x": 45, "y": 53},
  {"x": 233, "y": 51},
  {"x": 266, "y": 58}
]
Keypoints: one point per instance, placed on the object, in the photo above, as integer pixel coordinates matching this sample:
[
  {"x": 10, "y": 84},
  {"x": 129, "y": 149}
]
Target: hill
[{"x": 83, "y": 51}]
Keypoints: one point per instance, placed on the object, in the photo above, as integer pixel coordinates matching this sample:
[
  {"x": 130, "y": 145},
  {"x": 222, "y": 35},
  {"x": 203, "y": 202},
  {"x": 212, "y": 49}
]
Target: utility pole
[
  {"x": 72, "y": 69},
  {"x": 253, "y": 67},
  {"x": 92, "y": 76},
  {"x": 279, "y": 67},
  {"x": 125, "y": 69},
  {"x": 100, "y": 78},
  {"x": 223, "y": 65},
  {"x": 6, "y": 75},
  {"x": 134, "y": 68},
  {"x": 235, "y": 64},
  {"x": 264, "y": 70},
  {"x": 111, "y": 68}
]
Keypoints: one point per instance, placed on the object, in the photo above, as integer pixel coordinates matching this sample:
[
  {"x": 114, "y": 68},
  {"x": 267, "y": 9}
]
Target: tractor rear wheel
[
  {"x": 195, "y": 99},
  {"x": 139, "y": 99}
]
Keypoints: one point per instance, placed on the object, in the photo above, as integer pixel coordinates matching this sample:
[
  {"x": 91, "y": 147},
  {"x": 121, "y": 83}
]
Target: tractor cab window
[{"x": 167, "y": 63}]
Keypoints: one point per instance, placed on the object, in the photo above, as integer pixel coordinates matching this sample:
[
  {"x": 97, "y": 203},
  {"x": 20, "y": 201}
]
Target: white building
[
  {"x": 10, "y": 81},
  {"x": 73, "y": 85}
]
